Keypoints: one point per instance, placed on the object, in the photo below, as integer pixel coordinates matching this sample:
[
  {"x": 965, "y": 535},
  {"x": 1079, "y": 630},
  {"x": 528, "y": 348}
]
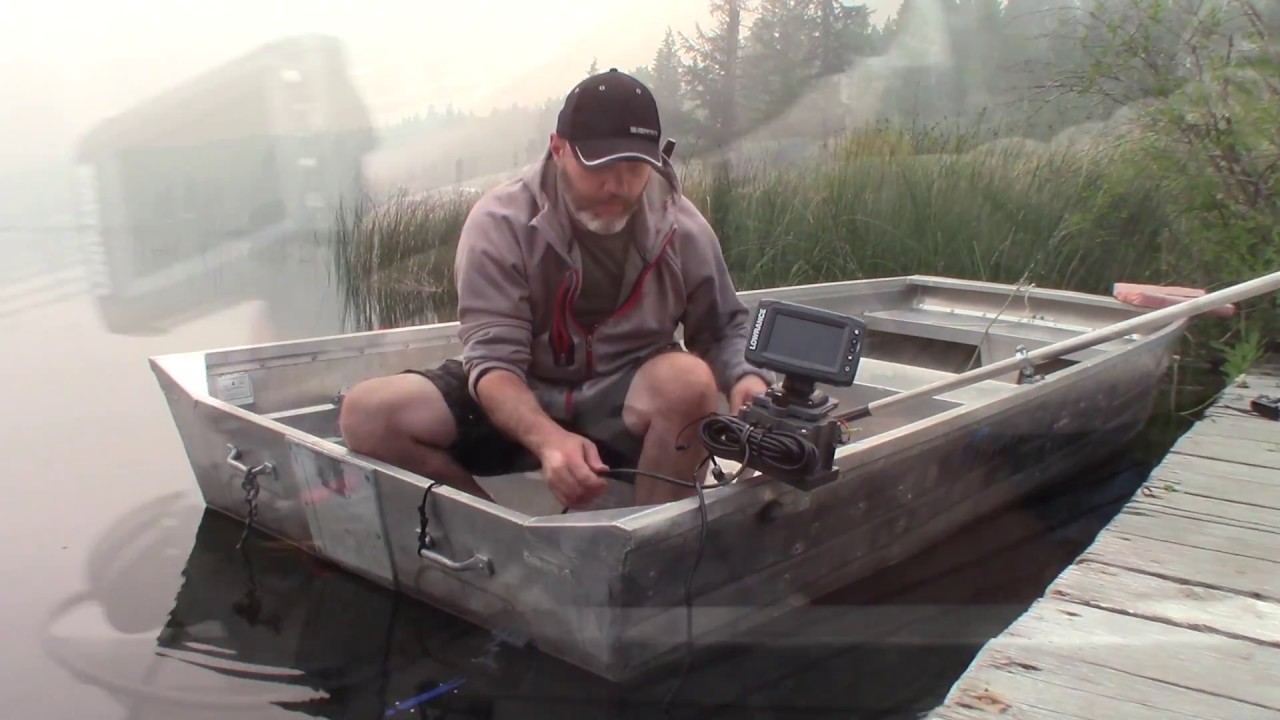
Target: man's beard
[{"x": 588, "y": 218}]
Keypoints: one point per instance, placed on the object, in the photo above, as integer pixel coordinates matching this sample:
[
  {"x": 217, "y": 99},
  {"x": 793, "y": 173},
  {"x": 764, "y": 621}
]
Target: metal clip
[
  {"x": 846, "y": 433},
  {"x": 1027, "y": 375},
  {"x": 248, "y": 483}
]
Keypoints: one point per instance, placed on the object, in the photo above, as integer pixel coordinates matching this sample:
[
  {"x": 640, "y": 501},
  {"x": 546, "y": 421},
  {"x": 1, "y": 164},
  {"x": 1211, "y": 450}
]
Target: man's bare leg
[
  {"x": 403, "y": 420},
  {"x": 669, "y": 394}
]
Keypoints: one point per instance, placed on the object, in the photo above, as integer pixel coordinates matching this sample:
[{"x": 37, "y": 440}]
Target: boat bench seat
[
  {"x": 999, "y": 340},
  {"x": 904, "y": 378},
  {"x": 318, "y": 420},
  {"x": 969, "y": 327}
]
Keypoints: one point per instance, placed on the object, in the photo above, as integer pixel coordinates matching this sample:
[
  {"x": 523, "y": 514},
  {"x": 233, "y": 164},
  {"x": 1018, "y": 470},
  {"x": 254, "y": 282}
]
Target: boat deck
[{"x": 1174, "y": 611}]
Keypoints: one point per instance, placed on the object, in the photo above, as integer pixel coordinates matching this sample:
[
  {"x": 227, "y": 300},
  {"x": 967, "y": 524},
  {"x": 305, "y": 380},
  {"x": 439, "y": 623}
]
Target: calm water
[{"x": 126, "y": 600}]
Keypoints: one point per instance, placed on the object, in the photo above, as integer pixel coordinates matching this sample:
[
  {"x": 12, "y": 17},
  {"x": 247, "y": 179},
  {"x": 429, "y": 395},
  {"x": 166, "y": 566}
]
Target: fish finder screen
[{"x": 807, "y": 341}]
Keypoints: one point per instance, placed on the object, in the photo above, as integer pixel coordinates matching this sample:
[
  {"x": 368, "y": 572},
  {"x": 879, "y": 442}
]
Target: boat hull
[{"x": 605, "y": 589}]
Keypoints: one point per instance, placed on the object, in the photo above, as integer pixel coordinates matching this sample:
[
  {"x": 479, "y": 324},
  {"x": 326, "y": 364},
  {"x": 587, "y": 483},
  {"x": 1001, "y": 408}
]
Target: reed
[
  {"x": 876, "y": 204},
  {"x": 393, "y": 261}
]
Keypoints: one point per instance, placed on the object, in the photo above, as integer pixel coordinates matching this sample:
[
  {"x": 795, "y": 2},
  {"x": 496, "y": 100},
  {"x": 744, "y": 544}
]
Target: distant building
[{"x": 186, "y": 191}]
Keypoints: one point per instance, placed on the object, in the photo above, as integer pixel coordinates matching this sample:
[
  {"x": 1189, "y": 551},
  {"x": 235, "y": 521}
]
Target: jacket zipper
[{"x": 561, "y": 339}]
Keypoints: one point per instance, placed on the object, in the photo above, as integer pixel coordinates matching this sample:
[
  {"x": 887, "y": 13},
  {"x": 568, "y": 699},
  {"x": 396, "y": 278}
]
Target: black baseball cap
[{"x": 612, "y": 116}]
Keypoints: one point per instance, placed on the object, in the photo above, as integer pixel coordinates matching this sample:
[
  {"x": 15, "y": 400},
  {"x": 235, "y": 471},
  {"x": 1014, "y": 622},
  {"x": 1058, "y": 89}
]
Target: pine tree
[
  {"x": 840, "y": 33},
  {"x": 667, "y": 84},
  {"x": 668, "y": 87},
  {"x": 711, "y": 72},
  {"x": 778, "y": 59}
]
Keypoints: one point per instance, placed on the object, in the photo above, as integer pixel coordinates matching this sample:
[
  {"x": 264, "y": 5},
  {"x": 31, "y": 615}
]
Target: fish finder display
[
  {"x": 808, "y": 343},
  {"x": 788, "y": 432}
]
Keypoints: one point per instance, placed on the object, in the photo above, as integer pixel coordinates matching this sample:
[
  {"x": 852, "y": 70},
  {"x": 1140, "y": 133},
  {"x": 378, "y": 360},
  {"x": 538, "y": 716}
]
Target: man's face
[{"x": 600, "y": 199}]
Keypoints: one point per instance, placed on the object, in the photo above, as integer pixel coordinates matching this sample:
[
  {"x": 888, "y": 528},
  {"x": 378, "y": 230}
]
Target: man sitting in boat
[{"x": 571, "y": 281}]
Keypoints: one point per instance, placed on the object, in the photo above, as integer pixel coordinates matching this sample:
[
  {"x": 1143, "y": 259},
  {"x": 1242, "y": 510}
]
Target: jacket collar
[{"x": 654, "y": 220}]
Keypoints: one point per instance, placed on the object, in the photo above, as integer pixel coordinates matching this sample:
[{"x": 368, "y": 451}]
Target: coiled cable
[{"x": 770, "y": 451}]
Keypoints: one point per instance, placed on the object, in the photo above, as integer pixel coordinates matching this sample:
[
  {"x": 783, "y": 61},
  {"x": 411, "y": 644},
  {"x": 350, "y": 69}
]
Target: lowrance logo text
[{"x": 755, "y": 331}]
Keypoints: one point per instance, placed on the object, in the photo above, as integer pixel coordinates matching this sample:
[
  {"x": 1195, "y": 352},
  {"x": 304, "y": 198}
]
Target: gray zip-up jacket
[{"x": 518, "y": 269}]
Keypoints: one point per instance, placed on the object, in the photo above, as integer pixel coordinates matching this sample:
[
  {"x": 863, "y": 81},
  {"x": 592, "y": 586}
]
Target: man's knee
[
  {"x": 389, "y": 409},
  {"x": 675, "y": 385}
]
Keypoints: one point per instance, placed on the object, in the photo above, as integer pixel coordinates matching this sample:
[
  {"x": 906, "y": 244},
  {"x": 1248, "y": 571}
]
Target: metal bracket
[
  {"x": 426, "y": 542},
  {"x": 475, "y": 562},
  {"x": 250, "y": 485},
  {"x": 1027, "y": 375}
]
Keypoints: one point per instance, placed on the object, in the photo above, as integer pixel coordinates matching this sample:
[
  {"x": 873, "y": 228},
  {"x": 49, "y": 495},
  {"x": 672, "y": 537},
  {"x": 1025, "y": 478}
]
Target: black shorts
[{"x": 484, "y": 451}]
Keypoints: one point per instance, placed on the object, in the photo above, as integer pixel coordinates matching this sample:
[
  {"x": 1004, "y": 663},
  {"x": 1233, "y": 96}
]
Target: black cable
[
  {"x": 773, "y": 451},
  {"x": 688, "y": 595},
  {"x": 727, "y": 436},
  {"x": 697, "y": 560},
  {"x": 667, "y": 478}
]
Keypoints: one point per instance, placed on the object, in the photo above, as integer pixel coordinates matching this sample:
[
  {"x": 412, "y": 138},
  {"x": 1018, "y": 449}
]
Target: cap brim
[{"x": 598, "y": 153}]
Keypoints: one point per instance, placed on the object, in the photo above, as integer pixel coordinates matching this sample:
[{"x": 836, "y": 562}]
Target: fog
[
  {"x": 428, "y": 97},
  {"x": 68, "y": 65},
  {"x": 169, "y": 172}
]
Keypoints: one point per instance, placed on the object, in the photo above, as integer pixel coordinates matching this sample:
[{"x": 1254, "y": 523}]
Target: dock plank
[
  {"x": 1212, "y": 664},
  {"x": 1174, "y": 610},
  {"x": 964, "y": 712},
  {"x": 1058, "y": 685},
  {"x": 1206, "y": 509},
  {"x": 1195, "y": 566},
  {"x": 1129, "y": 592},
  {"x": 1015, "y": 692},
  {"x": 1243, "y": 452},
  {"x": 1231, "y": 540},
  {"x": 1195, "y": 470},
  {"x": 1232, "y": 483},
  {"x": 1239, "y": 427}
]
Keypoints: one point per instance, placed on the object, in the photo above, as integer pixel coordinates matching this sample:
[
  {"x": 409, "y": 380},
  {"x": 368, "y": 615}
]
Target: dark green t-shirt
[{"x": 604, "y": 262}]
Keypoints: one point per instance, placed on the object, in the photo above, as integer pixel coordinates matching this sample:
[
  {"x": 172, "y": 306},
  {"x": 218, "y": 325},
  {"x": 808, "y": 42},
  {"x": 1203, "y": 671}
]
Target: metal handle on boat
[
  {"x": 233, "y": 459},
  {"x": 476, "y": 562}
]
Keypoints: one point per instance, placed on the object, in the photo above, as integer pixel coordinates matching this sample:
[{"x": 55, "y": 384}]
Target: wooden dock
[{"x": 1174, "y": 610}]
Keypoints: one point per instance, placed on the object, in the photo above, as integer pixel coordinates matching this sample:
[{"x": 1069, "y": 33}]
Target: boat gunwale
[
  {"x": 751, "y": 488},
  {"x": 284, "y": 352}
]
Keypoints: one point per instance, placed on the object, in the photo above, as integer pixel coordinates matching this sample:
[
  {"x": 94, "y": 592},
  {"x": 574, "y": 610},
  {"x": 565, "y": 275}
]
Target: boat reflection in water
[{"x": 266, "y": 630}]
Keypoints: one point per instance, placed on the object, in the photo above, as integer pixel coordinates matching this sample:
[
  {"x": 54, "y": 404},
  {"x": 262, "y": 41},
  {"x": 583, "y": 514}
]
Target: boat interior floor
[
  {"x": 906, "y": 347},
  {"x": 878, "y": 379}
]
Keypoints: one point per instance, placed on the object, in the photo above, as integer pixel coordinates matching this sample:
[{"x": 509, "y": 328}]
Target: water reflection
[
  {"x": 194, "y": 200},
  {"x": 267, "y": 630}
]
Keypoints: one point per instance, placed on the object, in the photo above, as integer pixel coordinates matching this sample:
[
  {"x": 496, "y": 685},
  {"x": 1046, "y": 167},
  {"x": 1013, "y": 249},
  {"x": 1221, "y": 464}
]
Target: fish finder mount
[{"x": 807, "y": 346}]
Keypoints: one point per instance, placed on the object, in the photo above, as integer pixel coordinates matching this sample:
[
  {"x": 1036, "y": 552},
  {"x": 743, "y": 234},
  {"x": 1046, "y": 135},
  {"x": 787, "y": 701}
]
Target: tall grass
[
  {"x": 873, "y": 205},
  {"x": 878, "y": 203},
  {"x": 1003, "y": 212},
  {"x": 393, "y": 261}
]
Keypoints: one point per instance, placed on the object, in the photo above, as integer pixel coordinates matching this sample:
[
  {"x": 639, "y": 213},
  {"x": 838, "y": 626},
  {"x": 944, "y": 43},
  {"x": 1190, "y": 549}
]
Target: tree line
[{"x": 1012, "y": 65}]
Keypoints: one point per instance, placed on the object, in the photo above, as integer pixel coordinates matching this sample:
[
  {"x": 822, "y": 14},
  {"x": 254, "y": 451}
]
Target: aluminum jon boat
[{"x": 605, "y": 589}]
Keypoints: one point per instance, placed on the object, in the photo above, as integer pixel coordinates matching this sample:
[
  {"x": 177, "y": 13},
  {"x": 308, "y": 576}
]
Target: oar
[{"x": 1180, "y": 311}]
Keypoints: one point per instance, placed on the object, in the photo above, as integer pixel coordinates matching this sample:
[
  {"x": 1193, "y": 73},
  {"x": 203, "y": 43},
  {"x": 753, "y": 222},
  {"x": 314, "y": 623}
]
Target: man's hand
[
  {"x": 570, "y": 465},
  {"x": 747, "y": 387}
]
